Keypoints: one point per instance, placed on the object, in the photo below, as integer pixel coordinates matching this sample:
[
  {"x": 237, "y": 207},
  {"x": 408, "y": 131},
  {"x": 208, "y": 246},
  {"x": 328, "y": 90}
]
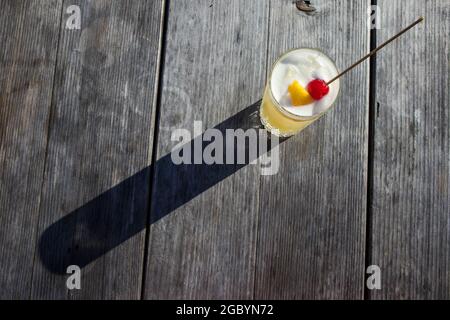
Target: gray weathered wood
[
  {"x": 411, "y": 200},
  {"x": 214, "y": 67},
  {"x": 100, "y": 134},
  {"x": 28, "y": 37},
  {"x": 297, "y": 234},
  {"x": 312, "y": 213}
]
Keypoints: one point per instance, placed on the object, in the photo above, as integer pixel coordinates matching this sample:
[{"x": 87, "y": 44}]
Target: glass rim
[{"x": 277, "y": 104}]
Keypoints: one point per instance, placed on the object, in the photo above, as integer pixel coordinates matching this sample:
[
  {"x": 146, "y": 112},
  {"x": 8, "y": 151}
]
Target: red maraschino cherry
[{"x": 317, "y": 89}]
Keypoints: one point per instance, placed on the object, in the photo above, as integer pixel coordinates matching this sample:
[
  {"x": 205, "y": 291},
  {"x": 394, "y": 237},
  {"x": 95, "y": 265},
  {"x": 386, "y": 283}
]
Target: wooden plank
[
  {"x": 410, "y": 213},
  {"x": 215, "y": 66},
  {"x": 312, "y": 213},
  {"x": 29, "y": 37},
  {"x": 100, "y": 134}
]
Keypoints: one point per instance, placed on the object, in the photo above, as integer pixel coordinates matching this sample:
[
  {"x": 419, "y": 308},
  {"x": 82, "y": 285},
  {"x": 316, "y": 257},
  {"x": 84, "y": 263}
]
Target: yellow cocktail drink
[{"x": 278, "y": 113}]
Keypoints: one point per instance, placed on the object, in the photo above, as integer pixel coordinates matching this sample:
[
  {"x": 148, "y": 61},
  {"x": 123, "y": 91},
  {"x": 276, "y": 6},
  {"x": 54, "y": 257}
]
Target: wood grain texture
[
  {"x": 100, "y": 134},
  {"x": 312, "y": 213},
  {"x": 214, "y": 67},
  {"x": 28, "y": 37},
  {"x": 411, "y": 212}
]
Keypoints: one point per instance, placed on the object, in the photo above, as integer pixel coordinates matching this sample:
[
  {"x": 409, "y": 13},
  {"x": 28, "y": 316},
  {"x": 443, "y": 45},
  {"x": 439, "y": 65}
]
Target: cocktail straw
[{"x": 375, "y": 50}]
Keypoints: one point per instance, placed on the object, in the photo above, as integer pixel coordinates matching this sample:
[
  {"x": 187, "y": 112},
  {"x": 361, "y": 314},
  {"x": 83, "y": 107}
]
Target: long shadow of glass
[{"x": 122, "y": 211}]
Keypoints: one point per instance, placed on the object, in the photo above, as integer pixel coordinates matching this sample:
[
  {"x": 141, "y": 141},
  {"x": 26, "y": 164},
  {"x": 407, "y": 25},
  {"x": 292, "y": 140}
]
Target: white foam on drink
[{"x": 303, "y": 65}]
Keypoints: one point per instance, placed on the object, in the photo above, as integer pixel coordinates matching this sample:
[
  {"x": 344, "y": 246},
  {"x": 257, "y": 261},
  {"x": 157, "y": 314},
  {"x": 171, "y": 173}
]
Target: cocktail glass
[{"x": 275, "y": 116}]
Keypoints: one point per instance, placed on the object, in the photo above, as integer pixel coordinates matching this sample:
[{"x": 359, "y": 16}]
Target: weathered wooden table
[{"x": 86, "y": 117}]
